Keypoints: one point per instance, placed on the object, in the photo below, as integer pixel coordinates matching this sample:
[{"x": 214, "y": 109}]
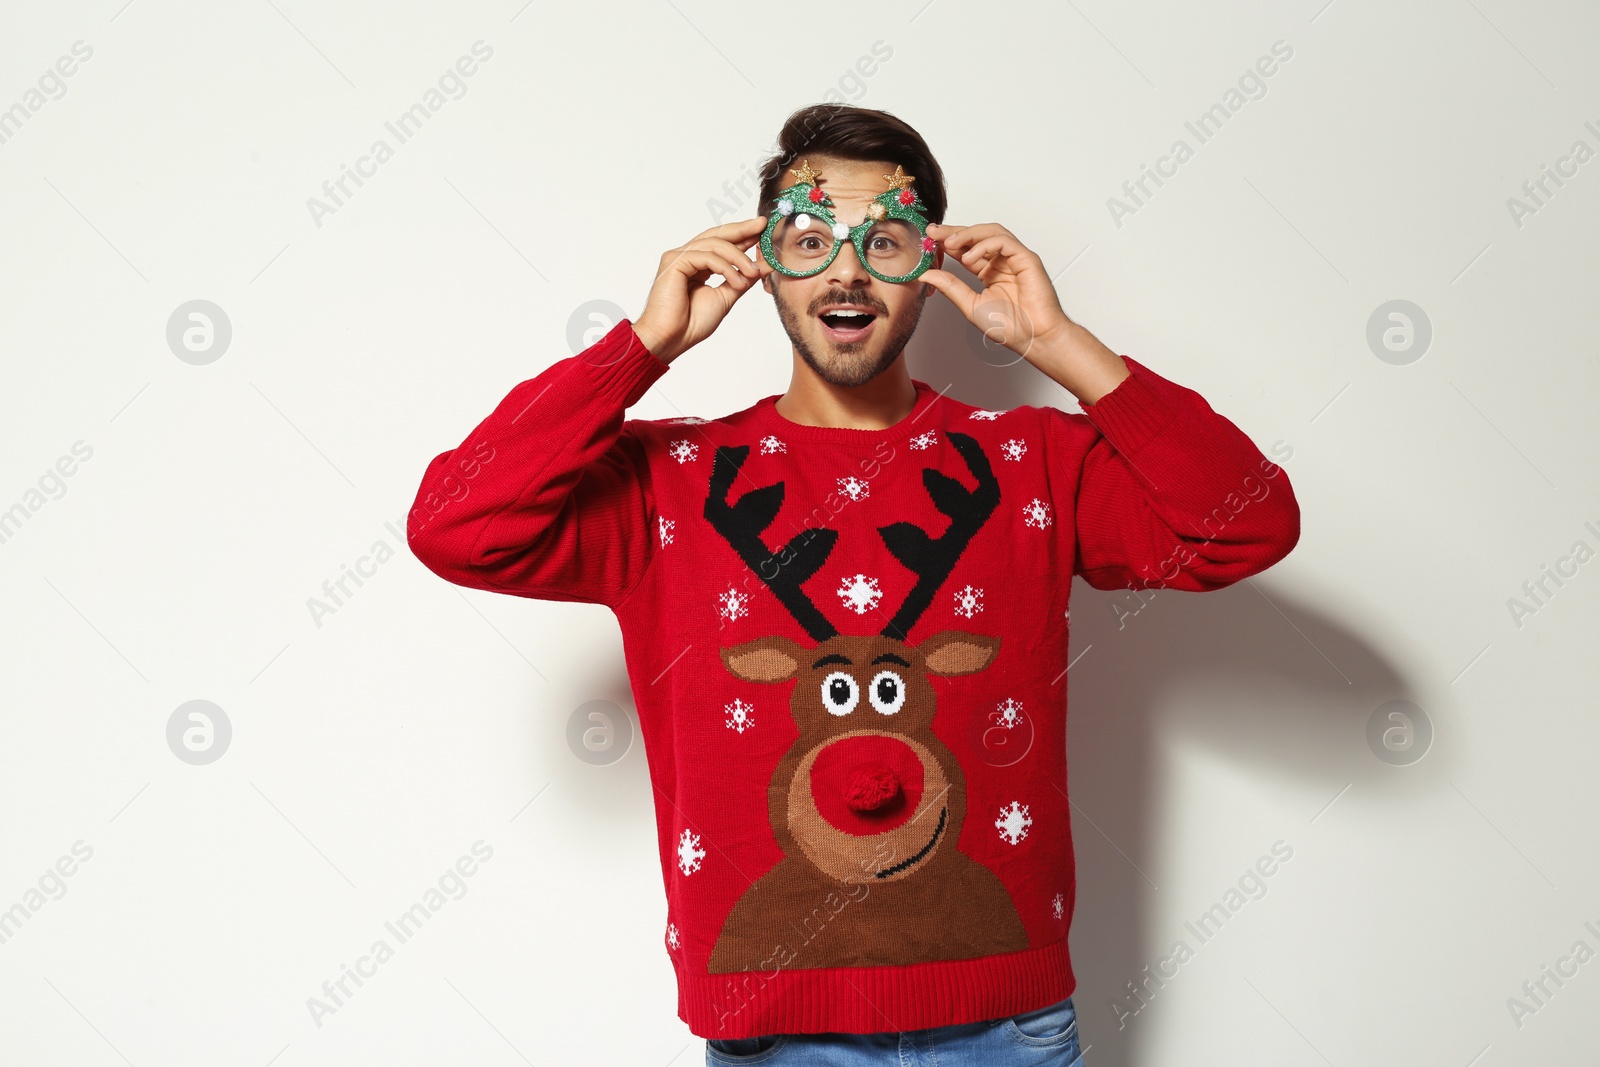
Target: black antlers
[
  {"x": 741, "y": 525},
  {"x": 931, "y": 559}
]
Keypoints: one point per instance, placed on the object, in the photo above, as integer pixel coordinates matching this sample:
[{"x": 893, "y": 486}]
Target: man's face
[{"x": 841, "y": 351}]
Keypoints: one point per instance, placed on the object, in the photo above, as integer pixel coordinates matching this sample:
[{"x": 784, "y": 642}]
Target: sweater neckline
[{"x": 915, "y": 421}]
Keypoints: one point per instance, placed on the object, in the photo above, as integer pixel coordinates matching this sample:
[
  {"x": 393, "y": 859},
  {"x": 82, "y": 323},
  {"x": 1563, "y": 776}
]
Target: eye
[
  {"x": 888, "y": 692},
  {"x": 840, "y": 693}
]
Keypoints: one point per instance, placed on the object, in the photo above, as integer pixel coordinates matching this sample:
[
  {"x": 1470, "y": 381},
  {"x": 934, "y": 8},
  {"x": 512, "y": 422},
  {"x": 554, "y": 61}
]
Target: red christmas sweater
[{"x": 848, "y": 652}]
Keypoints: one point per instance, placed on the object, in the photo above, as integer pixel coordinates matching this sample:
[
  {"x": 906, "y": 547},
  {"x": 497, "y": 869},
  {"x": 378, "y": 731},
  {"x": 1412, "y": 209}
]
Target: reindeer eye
[
  {"x": 840, "y": 693},
  {"x": 888, "y": 693}
]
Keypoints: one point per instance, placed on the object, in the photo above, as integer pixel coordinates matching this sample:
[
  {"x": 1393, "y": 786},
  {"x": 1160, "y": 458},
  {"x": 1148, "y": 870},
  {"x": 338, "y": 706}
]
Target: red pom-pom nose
[{"x": 871, "y": 786}]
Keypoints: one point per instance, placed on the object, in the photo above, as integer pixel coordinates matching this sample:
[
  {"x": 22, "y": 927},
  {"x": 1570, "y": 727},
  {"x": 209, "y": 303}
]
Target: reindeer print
[{"x": 868, "y": 803}]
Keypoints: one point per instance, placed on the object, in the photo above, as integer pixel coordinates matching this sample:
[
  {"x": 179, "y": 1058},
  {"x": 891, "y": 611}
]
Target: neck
[{"x": 812, "y": 400}]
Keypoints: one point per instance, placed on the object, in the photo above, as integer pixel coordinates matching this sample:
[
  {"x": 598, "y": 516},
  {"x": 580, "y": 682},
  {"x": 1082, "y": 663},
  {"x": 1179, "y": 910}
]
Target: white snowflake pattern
[
  {"x": 683, "y": 450},
  {"x": 770, "y": 444},
  {"x": 689, "y": 852},
  {"x": 986, "y": 414},
  {"x": 1058, "y": 906},
  {"x": 687, "y": 420},
  {"x": 733, "y": 604},
  {"x": 1013, "y": 822},
  {"x": 860, "y": 593},
  {"x": 853, "y": 487},
  {"x": 1036, "y": 512},
  {"x": 1008, "y": 713},
  {"x": 672, "y": 932},
  {"x": 1014, "y": 449},
  {"x": 665, "y": 525},
  {"x": 740, "y": 715},
  {"x": 969, "y": 601},
  {"x": 925, "y": 439}
]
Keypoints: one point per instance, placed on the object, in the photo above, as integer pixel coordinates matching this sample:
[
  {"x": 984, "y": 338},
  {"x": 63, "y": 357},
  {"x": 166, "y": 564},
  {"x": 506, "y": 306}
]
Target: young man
[{"x": 844, "y": 609}]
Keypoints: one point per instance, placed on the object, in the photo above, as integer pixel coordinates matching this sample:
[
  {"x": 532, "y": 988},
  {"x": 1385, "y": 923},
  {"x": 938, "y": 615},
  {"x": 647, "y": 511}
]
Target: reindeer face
[{"x": 867, "y": 791}]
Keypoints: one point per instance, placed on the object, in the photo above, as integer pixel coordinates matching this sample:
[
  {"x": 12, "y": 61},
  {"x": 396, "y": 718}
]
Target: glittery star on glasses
[
  {"x": 899, "y": 179},
  {"x": 805, "y": 173}
]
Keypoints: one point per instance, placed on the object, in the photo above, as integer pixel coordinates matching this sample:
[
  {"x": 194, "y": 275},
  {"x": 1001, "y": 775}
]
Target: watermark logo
[
  {"x": 1399, "y": 332},
  {"x": 1399, "y": 733},
  {"x": 599, "y": 732},
  {"x": 199, "y": 732},
  {"x": 590, "y": 321},
  {"x": 1004, "y": 333},
  {"x": 199, "y": 332}
]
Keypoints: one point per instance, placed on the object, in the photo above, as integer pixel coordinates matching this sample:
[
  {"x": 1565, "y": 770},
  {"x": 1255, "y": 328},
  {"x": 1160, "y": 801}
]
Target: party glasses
[{"x": 802, "y": 236}]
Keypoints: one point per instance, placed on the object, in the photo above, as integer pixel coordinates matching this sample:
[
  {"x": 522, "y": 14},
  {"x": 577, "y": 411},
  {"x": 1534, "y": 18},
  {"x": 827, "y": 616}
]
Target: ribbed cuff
[
  {"x": 620, "y": 365},
  {"x": 1132, "y": 413}
]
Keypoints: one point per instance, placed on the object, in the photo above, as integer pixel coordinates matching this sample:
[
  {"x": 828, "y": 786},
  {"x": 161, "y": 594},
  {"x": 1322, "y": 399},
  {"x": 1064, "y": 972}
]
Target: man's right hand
[{"x": 682, "y": 310}]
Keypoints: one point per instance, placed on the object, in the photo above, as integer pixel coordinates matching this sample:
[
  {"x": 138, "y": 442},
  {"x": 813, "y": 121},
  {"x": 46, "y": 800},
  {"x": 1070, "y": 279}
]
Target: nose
[
  {"x": 871, "y": 786},
  {"x": 867, "y": 784},
  {"x": 846, "y": 271}
]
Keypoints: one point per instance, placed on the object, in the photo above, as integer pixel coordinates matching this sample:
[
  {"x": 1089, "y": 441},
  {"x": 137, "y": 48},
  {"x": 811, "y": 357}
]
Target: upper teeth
[{"x": 842, "y": 312}]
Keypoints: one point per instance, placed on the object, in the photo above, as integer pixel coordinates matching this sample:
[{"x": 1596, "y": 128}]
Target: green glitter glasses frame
[{"x": 809, "y": 237}]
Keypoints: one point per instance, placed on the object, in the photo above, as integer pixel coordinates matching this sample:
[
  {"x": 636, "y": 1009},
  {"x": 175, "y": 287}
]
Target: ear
[
  {"x": 957, "y": 652},
  {"x": 766, "y": 659}
]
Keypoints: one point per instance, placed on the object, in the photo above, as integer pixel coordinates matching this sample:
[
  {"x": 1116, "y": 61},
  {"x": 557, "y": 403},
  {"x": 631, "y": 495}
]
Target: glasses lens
[
  {"x": 802, "y": 242},
  {"x": 894, "y": 247}
]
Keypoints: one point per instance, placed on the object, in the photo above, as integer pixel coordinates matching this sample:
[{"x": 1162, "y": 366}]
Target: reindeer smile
[{"x": 890, "y": 872}]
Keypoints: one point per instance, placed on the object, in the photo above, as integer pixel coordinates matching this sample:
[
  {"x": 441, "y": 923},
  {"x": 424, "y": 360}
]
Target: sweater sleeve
[
  {"x": 549, "y": 497},
  {"x": 1170, "y": 494}
]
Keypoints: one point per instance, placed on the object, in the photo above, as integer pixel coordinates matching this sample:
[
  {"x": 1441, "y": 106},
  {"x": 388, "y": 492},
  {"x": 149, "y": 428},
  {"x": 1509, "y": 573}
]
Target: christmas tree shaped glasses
[{"x": 802, "y": 236}]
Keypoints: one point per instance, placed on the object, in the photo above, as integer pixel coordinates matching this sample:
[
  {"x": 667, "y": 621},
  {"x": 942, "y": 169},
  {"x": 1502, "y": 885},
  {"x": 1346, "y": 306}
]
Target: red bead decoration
[
  {"x": 907, "y": 197},
  {"x": 815, "y": 195},
  {"x": 927, "y": 244}
]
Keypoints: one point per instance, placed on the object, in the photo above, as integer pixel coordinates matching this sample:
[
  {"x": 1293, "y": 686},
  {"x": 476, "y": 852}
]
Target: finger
[
  {"x": 735, "y": 255},
  {"x": 696, "y": 264},
  {"x": 954, "y": 289},
  {"x": 721, "y": 258},
  {"x": 982, "y": 255},
  {"x": 734, "y": 231},
  {"x": 971, "y": 235}
]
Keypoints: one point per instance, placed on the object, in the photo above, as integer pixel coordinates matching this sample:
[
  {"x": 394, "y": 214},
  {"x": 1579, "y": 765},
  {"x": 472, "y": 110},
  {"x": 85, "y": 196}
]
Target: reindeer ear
[
  {"x": 766, "y": 659},
  {"x": 958, "y": 652}
]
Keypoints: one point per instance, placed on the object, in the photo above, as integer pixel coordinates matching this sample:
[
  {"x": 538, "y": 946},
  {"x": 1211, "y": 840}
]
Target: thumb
[{"x": 954, "y": 289}]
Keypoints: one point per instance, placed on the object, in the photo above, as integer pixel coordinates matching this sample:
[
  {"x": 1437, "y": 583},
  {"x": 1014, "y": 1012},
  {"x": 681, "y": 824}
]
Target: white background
[{"x": 371, "y": 748}]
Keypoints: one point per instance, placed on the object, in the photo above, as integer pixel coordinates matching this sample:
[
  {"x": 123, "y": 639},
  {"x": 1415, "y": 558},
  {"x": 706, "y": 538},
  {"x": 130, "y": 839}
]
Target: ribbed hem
[
  {"x": 620, "y": 365},
  {"x": 1132, "y": 413},
  {"x": 868, "y": 1000}
]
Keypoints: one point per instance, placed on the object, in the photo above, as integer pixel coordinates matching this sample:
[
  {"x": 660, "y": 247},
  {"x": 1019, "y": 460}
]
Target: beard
[{"x": 847, "y": 364}]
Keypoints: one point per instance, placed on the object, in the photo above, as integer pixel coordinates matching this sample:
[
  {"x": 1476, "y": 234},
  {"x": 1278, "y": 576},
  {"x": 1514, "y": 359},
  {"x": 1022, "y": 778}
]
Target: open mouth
[{"x": 847, "y": 325}]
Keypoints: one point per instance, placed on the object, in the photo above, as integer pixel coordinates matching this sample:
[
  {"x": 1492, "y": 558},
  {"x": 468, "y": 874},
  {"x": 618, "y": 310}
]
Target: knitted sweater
[{"x": 848, "y": 653}]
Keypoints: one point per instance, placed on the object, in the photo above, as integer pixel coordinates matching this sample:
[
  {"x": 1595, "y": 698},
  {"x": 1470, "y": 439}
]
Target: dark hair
[{"x": 855, "y": 133}]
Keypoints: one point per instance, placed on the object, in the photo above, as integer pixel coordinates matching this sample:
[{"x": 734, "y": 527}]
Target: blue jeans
[{"x": 1047, "y": 1037}]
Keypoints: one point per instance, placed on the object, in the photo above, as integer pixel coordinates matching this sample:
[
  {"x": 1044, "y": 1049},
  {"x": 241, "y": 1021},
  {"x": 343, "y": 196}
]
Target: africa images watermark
[
  {"x": 336, "y": 992},
  {"x": 51, "y": 86},
  {"x": 1251, "y": 86},
  {"x": 1566, "y": 567},
  {"x": 1537, "y": 192},
  {"x": 51, "y": 485},
  {"x": 337, "y": 592},
  {"x": 402, "y": 128},
  {"x": 1253, "y": 489},
  {"x": 1251, "y": 886}
]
